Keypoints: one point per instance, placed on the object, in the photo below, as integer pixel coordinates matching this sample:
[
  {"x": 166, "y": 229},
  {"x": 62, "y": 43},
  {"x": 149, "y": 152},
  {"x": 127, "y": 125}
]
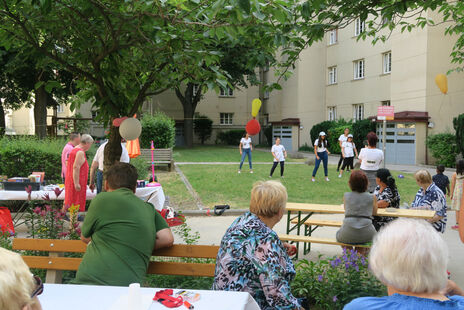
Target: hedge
[
  {"x": 160, "y": 128},
  {"x": 230, "y": 137},
  {"x": 443, "y": 148}
]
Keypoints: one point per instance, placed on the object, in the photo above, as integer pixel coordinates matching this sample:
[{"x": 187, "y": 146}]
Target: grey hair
[
  {"x": 85, "y": 139},
  {"x": 411, "y": 256}
]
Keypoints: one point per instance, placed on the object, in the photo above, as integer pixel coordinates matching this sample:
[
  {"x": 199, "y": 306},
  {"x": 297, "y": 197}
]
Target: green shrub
[
  {"x": 306, "y": 148},
  {"x": 316, "y": 129},
  {"x": 360, "y": 129},
  {"x": 333, "y": 134},
  {"x": 332, "y": 283},
  {"x": 268, "y": 134},
  {"x": 160, "y": 128},
  {"x": 203, "y": 127},
  {"x": 142, "y": 167},
  {"x": 231, "y": 137},
  {"x": 443, "y": 148},
  {"x": 458, "y": 124}
]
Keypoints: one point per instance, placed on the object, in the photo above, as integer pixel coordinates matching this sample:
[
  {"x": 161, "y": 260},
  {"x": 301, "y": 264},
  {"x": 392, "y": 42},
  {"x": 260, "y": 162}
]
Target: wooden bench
[
  {"x": 320, "y": 223},
  {"x": 160, "y": 156},
  {"x": 311, "y": 239},
  {"x": 55, "y": 263}
]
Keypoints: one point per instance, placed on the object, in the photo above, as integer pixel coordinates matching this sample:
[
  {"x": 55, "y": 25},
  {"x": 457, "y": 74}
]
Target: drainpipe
[{"x": 426, "y": 148}]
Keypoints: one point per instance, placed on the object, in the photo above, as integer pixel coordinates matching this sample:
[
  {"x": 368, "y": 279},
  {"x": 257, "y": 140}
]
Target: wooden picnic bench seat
[
  {"x": 319, "y": 223},
  {"x": 311, "y": 239},
  {"x": 54, "y": 263},
  {"x": 160, "y": 156}
]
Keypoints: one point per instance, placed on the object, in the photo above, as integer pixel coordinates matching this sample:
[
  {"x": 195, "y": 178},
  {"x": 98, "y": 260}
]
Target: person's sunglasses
[{"x": 38, "y": 288}]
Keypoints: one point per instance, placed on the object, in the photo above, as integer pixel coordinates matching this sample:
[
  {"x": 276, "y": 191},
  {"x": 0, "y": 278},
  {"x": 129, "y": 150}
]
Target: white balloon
[{"x": 130, "y": 129}]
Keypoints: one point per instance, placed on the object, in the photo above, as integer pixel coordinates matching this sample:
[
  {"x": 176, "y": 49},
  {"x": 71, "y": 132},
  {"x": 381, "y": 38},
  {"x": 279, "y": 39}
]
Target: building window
[
  {"x": 333, "y": 36},
  {"x": 226, "y": 92},
  {"x": 358, "y": 112},
  {"x": 266, "y": 94},
  {"x": 359, "y": 69},
  {"x": 331, "y": 113},
  {"x": 226, "y": 118},
  {"x": 60, "y": 108},
  {"x": 387, "y": 62},
  {"x": 359, "y": 26},
  {"x": 332, "y": 75},
  {"x": 386, "y": 103}
]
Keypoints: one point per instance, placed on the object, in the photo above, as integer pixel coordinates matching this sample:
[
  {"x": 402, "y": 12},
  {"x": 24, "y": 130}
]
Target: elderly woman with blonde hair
[
  {"x": 251, "y": 257},
  {"x": 18, "y": 287},
  {"x": 430, "y": 197},
  {"x": 410, "y": 258}
]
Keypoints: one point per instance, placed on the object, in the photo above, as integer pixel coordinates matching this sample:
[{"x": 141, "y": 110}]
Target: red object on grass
[
  {"x": 253, "y": 127},
  {"x": 6, "y": 222}
]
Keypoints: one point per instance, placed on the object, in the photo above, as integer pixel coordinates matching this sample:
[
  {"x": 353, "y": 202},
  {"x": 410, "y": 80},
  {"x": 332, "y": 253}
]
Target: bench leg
[{"x": 54, "y": 276}]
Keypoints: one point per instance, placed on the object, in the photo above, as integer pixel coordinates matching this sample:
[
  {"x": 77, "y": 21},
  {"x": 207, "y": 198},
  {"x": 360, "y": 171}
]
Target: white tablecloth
[
  {"x": 86, "y": 297},
  {"x": 153, "y": 195}
]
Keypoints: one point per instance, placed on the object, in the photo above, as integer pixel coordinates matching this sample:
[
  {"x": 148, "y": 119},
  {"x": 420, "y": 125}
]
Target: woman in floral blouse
[
  {"x": 251, "y": 257},
  {"x": 430, "y": 197},
  {"x": 387, "y": 196}
]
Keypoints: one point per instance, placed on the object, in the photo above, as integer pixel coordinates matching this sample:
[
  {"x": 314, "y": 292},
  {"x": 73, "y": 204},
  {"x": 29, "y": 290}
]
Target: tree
[
  {"x": 203, "y": 127},
  {"x": 123, "y": 51}
]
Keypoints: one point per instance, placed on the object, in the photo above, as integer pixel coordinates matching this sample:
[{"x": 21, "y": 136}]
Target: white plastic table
[
  {"x": 153, "y": 195},
  {"x": 86, "y": 297}
]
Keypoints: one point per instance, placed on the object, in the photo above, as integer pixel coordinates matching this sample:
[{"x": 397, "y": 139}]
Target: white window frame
[
  {"x": 333, "y": 36},
  {"x": 228, "y": 92},
  {"x": 386, "y": 103},
  {"x": 359, "y": 26},
  {"x": 226, "y": 118},
  {"x": 359, "y": 69},
  {"x": 332, "y": 75},
  {"x": 358, "y": 112},
  {"x": 331, "y": 113},
  {"x": 60, "y": 108},
  {"x": 387, "y": 62}
]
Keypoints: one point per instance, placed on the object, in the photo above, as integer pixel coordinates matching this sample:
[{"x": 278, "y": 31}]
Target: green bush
[
  {"x": 306, "y": 148},
  {"x": 230, "y": 137},
  {"x": 203, "y": 127},
  {"x": 360, "y": 129},
  {"x": 142, "y": 167},
  {"x": 443, "y": 148},
  {"x": 333, "y": 134},
  {"x": 332, "y": 283},
  {"x": 160, "y": 128},
  {"x": 268, "y": 134},
  {"x": 458, "y": 124},
  {"x": 324, "y": 126}
]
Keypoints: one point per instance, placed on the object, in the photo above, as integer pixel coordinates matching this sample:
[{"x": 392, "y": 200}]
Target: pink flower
[
  {"x": 37, "y": 210},
  {"x": 76, "y": 224},
  {"x": 28, "y": 190},
  {"x": 43, "y": 213},
  {"x": 48, "y": 208},
  {"x": 46, "y": 197},
  {"x": 58, "y": 191},
  {"x": 78, "y": 231},
  {"x": 63, "y": 234}
]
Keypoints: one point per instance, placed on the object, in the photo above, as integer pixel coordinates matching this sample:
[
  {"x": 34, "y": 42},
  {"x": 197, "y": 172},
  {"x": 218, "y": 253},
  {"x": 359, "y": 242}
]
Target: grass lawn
[
  {"x": 212, "y": 153},
  {"x": 180, "y": 198},
  {"x": 221, "y": 184}
]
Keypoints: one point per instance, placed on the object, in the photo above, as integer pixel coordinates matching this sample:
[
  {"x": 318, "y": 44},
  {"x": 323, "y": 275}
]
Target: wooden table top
[{"x": 338, "y": 209}]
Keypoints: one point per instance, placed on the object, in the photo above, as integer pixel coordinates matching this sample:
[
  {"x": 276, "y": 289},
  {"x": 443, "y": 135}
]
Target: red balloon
[
  {"x": 118, "y": 121},
  {"x": 253, "y": 127}
]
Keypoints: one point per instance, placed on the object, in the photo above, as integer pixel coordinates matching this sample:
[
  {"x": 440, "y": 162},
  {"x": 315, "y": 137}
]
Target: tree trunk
[
  {"x": 113, "y": 149},
  {"x": 40, "y": 112},
  {"x": 189, "y": 102},
  {"x": 2, "y": 121},
  {"x": 188, "y": 124}
]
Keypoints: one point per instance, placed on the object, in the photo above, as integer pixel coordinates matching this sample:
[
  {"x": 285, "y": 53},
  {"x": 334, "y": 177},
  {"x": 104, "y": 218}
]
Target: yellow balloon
[
  {"x": 255, "y": 106},
  {"x": 442, "y": 82}
]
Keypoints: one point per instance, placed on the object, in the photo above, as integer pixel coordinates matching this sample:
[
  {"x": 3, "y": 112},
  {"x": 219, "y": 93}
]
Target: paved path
[{"x": 233, "y": 163}]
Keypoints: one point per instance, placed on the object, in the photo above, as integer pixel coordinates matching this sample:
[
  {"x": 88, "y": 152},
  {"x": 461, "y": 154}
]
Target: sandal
[{"x": 455, "y": 227}]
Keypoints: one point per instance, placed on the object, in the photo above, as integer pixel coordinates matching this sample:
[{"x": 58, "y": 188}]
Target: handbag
[{"x": 6, "y": 222}]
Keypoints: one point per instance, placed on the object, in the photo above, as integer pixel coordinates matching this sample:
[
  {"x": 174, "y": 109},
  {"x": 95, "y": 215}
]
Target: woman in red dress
[{"x": 77, "y": 175}]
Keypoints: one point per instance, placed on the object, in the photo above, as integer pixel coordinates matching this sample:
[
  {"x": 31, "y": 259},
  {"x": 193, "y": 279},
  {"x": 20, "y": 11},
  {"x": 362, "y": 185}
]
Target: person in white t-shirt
[
  {"x": 279, "y": 153},
  {"x": 370, "y": 158},
  {"x": 348, "y": 152},
  {"x": 341, "y": 139},
  {"x": 245, "y": 147},
  {"x": 97, "y": 165},
  {"x": 322, "y": 154}
]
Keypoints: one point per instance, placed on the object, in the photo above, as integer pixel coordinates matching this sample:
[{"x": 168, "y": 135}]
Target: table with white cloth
[
  {"x": 89, "y": 297},
  {"x": 153, "y": 195}
]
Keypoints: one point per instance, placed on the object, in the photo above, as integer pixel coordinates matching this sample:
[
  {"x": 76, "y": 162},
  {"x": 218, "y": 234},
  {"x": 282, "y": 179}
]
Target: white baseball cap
[
  {"x": 322, "y": 133},
  {"x": 350, "y": 136}
]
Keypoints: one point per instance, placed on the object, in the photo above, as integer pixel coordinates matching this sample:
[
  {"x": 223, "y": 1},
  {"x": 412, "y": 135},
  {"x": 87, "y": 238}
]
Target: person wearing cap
[
  {"x": 322, "y": 154},
  {"x": 342, "y": 139},
  {"x": 348, "y": 152}
]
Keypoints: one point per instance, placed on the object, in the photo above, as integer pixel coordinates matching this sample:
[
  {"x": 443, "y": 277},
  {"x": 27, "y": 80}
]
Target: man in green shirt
[{"x": 121, "y": 231}]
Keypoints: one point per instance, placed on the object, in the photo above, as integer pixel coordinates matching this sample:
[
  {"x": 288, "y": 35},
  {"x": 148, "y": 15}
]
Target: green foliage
[
  {"x": 333, "y": 130},
  {"x": 160, "y": 128},
  {"x": 332, "y": 283},
  {"x": 142, "y": 167},
  {"x": 458, "y": 124},
  {"x": 443, "y": 148},
  {"x": 82, "y": 126},
  {"x": 316, "y": 129},
  {"x": 360, "y": 129},
  {"x": 230, "y": 137},
  {"x": 334, "y": 133},
  {"x": 6, "y": 241},
  {"x": 268, "y": 134},
  {"x": 306, "y": 148},
  {"x": 203, "y": 127}
]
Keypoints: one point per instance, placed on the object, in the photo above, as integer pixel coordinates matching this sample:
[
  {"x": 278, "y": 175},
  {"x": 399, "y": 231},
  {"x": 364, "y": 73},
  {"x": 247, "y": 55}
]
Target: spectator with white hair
[
  {"x": 18, "y": 287},
  {"x": 77, "y": 175},
  {"x": 410, "y": 258},
  {"x": 430, "y": 197}
]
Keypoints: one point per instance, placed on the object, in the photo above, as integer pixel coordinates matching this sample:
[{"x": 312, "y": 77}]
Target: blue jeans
[
  {"x": 246, "y": 152},
  {"x": 99, "y": 181},
  {"x": 324, "y": 157}
]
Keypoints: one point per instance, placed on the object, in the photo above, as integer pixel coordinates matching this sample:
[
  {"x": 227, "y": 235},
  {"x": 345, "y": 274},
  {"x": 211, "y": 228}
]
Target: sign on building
[{"x": 386, "y": 113}]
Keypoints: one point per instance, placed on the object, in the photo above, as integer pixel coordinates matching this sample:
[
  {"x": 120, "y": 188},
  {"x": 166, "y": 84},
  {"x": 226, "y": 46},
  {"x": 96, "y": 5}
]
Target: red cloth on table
[{"x": 73, "y": 197}]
